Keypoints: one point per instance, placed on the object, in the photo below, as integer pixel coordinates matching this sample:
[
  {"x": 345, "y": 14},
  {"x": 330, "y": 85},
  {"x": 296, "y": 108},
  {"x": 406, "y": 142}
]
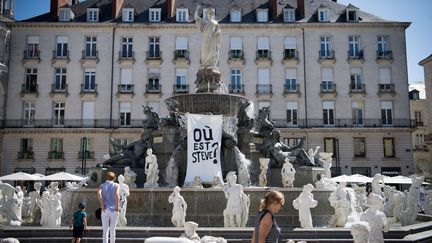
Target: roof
[
  {"x": 426, "y": 60},
  {"x": 248, "y": 9}
]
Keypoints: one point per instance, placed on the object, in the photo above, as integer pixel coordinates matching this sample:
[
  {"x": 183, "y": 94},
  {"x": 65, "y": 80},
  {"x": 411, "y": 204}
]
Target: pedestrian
[
  {"x": 266, "y": 229},
  {"x": 109, "y": 199},
  {"x": 79, "y": 223}
]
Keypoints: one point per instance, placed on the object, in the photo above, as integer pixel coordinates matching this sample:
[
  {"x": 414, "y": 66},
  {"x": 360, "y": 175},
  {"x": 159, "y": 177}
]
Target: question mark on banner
[{"x": 214, "y": 152}]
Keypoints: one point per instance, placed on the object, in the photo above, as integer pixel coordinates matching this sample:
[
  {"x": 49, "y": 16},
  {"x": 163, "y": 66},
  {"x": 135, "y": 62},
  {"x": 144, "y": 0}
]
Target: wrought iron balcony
[
  {"x": 125, "y": 89},
  {"x": 153, "y": 88},
  {"x": 428, "y": 138},
  {"x": 181, "y": 88},
  {"x": 326, "y": 54},
  {"x": 55, "y": 155},
  {"x": 88, "y": 89},
  {"x": 87, "y": 154},
  {"x": 90, "y": 54},
  {"x": 153, "y": 55},
  {"x": 290, "y": 54},
  {"x": 421, "y": 148},
  {"x": 355, "y": 55},
  {"x": 291, "y": 89},
  {"x": 328, "y": 88},
  {"x": 29, "y": 89},
  {"x": 357, "y": 88},
  {"x": 386, "y": 89},
  {"x": 59, "y": 89},
  {"x": 181, "y": 55},
  {"x": 32, "y": 54},
  {"x": 263, "y": 55},
  {"x": 235, "y": 55},
  {"x": 384, "y": 54},
  {"x": 126, "y": 56},
  {"x": 236, "y": 89},
  {"x": 61, "y": 55},
  {"x": 25, "y": 155},
  {"x": 264, "y": 89}
]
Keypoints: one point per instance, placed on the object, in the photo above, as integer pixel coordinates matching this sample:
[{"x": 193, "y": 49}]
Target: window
[
  {"x": 126, "y": 80},
  {"x": 125, "y": 113},
  {"x": 90, "y": 79},
  {"x": 352, "y": 15},
  {"x": 127, "y": 47},
  {"x": 328, "y": 113},
  {"x": 264, "y": 86},
  {"x": 418, "y": 118},
  {"x": 419, "y": 140},
  {"x": 288, "y": 15},
  {"x": 356, "y": 79},
  {"x": 235, "y": 15},
  {"x": 292, "y": 108},
  {"x": 31, "y": 80},
  {"x": 88, "y": 109},
  {"x": 236, "y": 81},
  {"x": 263, "y": 47},
  {"x": 182, "y": 15},
  {"x": 323, "y": 15},
  {"x": 32, "y": 50},
  {"x": 354, "y": 46},
  {"x": 154, "y": 51},
  {"x": 236, "y": 47},
  {"x": 358, "y": 113},
  {"x": 26, "y": 148},
  {"x": 60, "y": 79},
  {"x": 292, "y": 141},
  {"x": 325, "y": 47},
  {"x": 62, "y": 46},
  {"x": 383, "y": 45},
  {"x": 386, "y": 113},
  {"x": 64, "y": 14},
  {"x": 290, "y": 45},
  {"x": 181, "y": 46},
  {"x": 153, "y": 83},
  {"x": 389, "y": 147},
  {"x": 181, "y": 80},
  {"x": 90, "y": 46},
  {"x": 56, "y": 148},
  {"x": 59, "y": 114},
  {"x": 327, "y": 79},
  {"x": 330, "y": 146},
  {"x": 262, "y": 15},
  {"x": 29, "y": 113},
  {"x": 359, "y": 147},
  {"x": 92, "y": 15},
  {"x": 291, "y": 80},
  {"x": 128, "y": 15},
  {"x": 86, "y": 148},
  {"x": 155, "y": 15},
  {"x": 385, "y": 79}
]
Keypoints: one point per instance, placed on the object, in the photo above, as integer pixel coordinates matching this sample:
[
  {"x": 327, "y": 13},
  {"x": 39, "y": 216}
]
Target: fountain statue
[
  {"x": 428, "y": 202},
  {"x": 303, "y": 203},
  {"x": 375, "y": 218},
  {"x": 288, "y": 174},
  {"x": 377, "y": 184},
  {"x": 151, "y": 169},
  {"x": 9, "y": 205},
  {"x": 20, "y": 200},
  {"x": 179, "y": 208},
  {"x": 360, "y": 232},
  {"x": 327, "y": 161},
  {"x": 124, "y": 193},
  {"x": 263, "y": 174},
  {"x": 129, "y": 177},
  {"x": 339, "y": 201},
  {"x": 312, "y": 153},
  {"x": 190, "y": 232},
  {"x": 411, "y": 207},
  {"x": 237, "y": 210},
  {"x": 390, "y": 196},
  {"x": 51, "y": 207},
  {"x": 35, "y": 200}
]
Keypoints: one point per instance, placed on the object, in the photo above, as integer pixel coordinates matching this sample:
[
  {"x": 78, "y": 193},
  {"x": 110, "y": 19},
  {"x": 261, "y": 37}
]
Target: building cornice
[{"x": 68, "y": 130}]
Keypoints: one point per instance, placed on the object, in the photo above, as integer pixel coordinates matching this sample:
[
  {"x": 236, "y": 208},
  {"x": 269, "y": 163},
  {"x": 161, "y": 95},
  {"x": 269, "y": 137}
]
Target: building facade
[{"x": 330, "y": 73}]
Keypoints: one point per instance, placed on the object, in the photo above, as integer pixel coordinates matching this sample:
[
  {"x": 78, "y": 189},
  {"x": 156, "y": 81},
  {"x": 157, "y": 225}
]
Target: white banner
[{"x": 203, "y": 148}]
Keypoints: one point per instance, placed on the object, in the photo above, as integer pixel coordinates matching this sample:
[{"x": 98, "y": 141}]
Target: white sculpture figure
[
  {"x": 73, "y": 185},
  {"x": 428, "y": 202},
  {"x": 288, "y": 174},
  {"x": 217, "y": 182},
  {"x": 360, "y": 194},
  {"x": 211, "y": 37},
  {"x": 411, "y": 208},
  {"x": 303, "y": 203},
  {"x": 237, "y": 209},
  {"x": 360, "y": 232},
  {"x": 35, "y": 198},
  {"x": 9, "y": 205},
  {"x": 264, "y": 167},
  {"x": 151, "y": 169},
  {"x": 327, "y": 161},
  {"x": 56, "y": 209},
  {"x": 243, "y": 171},
  {"x": 129, "y": 177},
  {"x": 376, "y": 218},
  {"x": 26, "y": 208},
  {"x": 124, "y": 193},
  {"x": 20, "y": 200},
  {"x": 211, "y": 239},
  {"x": 45, "y": 208},
  {"x": 190, "y": 232},
  {"x": 312, "y": 153},
  {"x": 171, "y": 173},
  {"x": 389, "y": 205},
  {"x": 325, "y": 183},
  {"x": 339, "y": 201},
  {"x": 179, "y": 208},
  {"x": 399, "y": 204},
  {"x": 377, "y": 184}
]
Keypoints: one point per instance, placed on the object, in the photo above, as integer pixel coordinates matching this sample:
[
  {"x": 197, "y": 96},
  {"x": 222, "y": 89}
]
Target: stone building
[{"x": 330, "y": 73}]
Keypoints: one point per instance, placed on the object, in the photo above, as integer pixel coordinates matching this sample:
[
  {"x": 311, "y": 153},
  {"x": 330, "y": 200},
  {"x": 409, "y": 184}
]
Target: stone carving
[
  {"x": 51, "y": 208},
  {"x": 244, "y": 121},
  {"x": 390, "y": 196},
  {"x": 303, "y": 203},
  {"x": 173, "y": 119},
  {"x": 312, "y": 153},
  {"x": 35, "y": 201},
  {"x": 124, "y": 193},
  {"x": 151, "y": 169},
  {"x": 212, "y": 239},
  {"x": 411, "y": 208},
  {"x": 360, "y": 194},
  {"x": 237, "y": 209},
  {"x": 377, "y": 184},
  {"x": 126, "y": 155},
  {"x": 190, "y": 232},
  {"x": 264, "y": 162},
  {"x": 288, "y": 174},
  {"x": 339, "y": 201},
  {"x": 152, "y": 118},
  {"x": 217, "y": 182},
  {"x": 171, "y": 173},
  {"x": 327, "y": 161},
  {"x": 179, "y": 208},
  {"x": 9, "y": 205},
  {"x": 20, "y": 200},
  {"x": 196, "y": 183},
  {"x": 399, "y": 204},
  {"x": 26, "y": 208},
  {"x": 325, "y": 183},
  {"x": 243, "y": 171},
  {"x": 264, "y": 126},
  {"x": 428, "y": 202},
  {"x": 360, "y": 232},
  {"x": 375, "y": 218},
  {"x": 129, "y": 177}
]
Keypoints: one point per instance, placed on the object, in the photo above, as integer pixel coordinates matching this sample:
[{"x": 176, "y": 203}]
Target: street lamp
[{"x": 83, "y": 155}]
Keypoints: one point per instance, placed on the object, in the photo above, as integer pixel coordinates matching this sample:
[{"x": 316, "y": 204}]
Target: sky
[{"x": 418, "y": 35}]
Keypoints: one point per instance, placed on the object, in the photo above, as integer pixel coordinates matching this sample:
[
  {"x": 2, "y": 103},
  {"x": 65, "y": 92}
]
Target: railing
[
  {"x": 59, "y": 89},
  {"x": 25, "y": 155},
  {"x": 291, "y": 89},
  {"x": 128, "y": 55},
  {"x": 153, "y": 55},
  {"x": 419, "y": 123},
  {"x": 26, "y": 89},
  {"x": 88, "y": 89},
  {"x": 125, "y": 88},
  {"x": 181, "y": 88},
  {"x": 357, "y": 88},
  {"x": 31, "y": 54},
  {"x": 345, "y": 123},
  {"x": 55, "y": 155},
  {"x": 328, "y": 88},
  {"x": 386, "y": 88},
  {"x": 236, "y": 55},
  {"x": 264, "y": 89},
  {"x": 428, "y": 138},
  {"x": 60, "y": 55},
  {"x": 263, "y": 55},
  {"x": 421, "y": 148},
  {"x": 290, "y": 54},
  {"x": 236, "y": 89},
  {"x": 355, "y": 54},
  {"x": 87, "y": 154},
  {"x": 152, "y": 88},
  {"x": 384, "y": 54},
  {"x": 326, "y": 54},
  {"x": 181, "y": 55},
  {"x": 90, "y": 54}
]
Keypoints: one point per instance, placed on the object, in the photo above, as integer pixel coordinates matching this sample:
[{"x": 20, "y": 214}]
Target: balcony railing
[
  {"x": 290, "y": 54},
  {"x": 345, "y": 123},
  {"x": 59, "y": 89},
  {"x": 55, "y": 155},
  {"x": 235, "y": 55},
  {"x": 153, "y": 55},
  {"x": 91, "y": 55},
  {"x": 264, "y": 89},
  {"x": 181, "y": 88},
  {"x": 263, "y": 55},
  {"x": 29, "y": 89},
  {"x": 328, "y": 88},
  {"x": 88, "y": 88},
  {"x": 428, "y": 138},
  {"x": 181, "y": 55},
  {"x": 291, "y": 89},
  {"x": 25, "y": 155},
  {"x": 421, "y": 148},
  {"x": 355, "y": 55},
  {"x": 236, "y": 89},
  {"x": 31, "y": 54},
  {"x": 126, "y": 56},
  {"x": 87, "y": 154},
  {"x": 61, "y": 55},
  {"x": 386, "y": 88},
  {"x": 125, "y": 89},
  {"x": 357, "y": 88},
  {"x": 326, "y": 54},
  {"x": 153, "y": 88},
  {"x": 384, "y": 54}
]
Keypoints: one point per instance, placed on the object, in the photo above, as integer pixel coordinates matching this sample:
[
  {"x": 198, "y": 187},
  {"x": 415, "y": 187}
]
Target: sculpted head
[
  {"x": 37, "y": 186},
  {"x": 210, "y": 13},
  {"x": 177, "y": 189},
  {"x": 360, "y": 232},
  {"x": 231, "y": 177},
  {"x": 120, "y": 178},
  {"x": 149, "y": 151}
]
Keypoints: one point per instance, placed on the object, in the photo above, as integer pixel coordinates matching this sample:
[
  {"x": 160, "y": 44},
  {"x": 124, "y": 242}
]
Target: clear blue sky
[{"x": 419, "y": 34}]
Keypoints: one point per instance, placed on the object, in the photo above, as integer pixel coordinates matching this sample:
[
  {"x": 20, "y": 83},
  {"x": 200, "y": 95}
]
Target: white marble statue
[
  {"x": 217, "y": 182},
  {"x": 179, "y": 207},
  {"x": 124, "y": 193},
  {"x": 129, "y": 177},
  {"x": 20, "y": 200},
  {"x": 288, "y": 174},
  {"x": 57, "y": 210},
  {"x": 212, "y": 239},
  {"x": 360, "y": 232},
  {"x": 35, "y": 198},
  {"x": 237, "y": 209},
  {"x": 428, "y": 202},
  {"x": 339, "y": 201},
  {"x": 211, "y": 38},
  {"x": 190, "y": 232},
  {"x": 327, "y": 161},
  {"x": 360, "y": 194},
  {"x": 243, "y": 170},
  {"x": 377, "y": 184},
  {"x": 26, "y": 208},
  {"x": 151, "y": 170},
  {"x": 171, "y": 173},
  {"x": 325, "y": 183},
  {"x": 264, "y": 162},
  {"x": 410, "y": 210},
  {"x": 390, "y": 196},
  {"x": 376, "y": 219},
  {"x": 51, "y": 207},
  {"x": 303, "y": 203},
  {"x": 399, "y": 204},
  {"x": 312, "y": 153},
  {"x": 9, "y": 205}
]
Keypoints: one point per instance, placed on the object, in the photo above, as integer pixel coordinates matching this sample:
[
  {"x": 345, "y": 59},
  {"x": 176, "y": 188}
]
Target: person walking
[
  {"x": 109, "y": 198},
  {"x": 266, "y": 229},
  {"x": 79, "y": 223}
]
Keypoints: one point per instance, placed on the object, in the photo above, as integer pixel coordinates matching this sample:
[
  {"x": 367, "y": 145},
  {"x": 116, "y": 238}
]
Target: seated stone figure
[
  {"x": 127, "y": 155},
  {"x": 152, "y": 118},
  {"x": 264, "y": 126}
]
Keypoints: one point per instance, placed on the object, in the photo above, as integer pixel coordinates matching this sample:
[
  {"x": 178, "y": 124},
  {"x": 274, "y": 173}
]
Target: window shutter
[
  {"x": 181, "y": 72},
  {"x": 236, "y": 43},
  {"x": 125, "y": 107},
  {"x": 384, "y": 75},
  {"x": 328, "y": 105},
  {"x": 292, "y": 106},
  {"x": 126, "y": 76},
  {"x": 327, "y": 74},
  {"x": 263, "y": 43},
  {"x": 290, "y": 43},
  {"x": 33, "y": 40},
  {"x": 88, "y": 110},
  {"x": 356, "y": 70},
  {"x": 388, "y": 105},
  {"x": 263, "y": 76},
  {"x": 291, "y": 73},
  {"x": 62, "y": 39},
  {"x": 181, "y": 43}
]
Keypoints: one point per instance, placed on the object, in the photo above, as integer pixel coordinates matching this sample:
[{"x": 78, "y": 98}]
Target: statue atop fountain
[
  {"x": 151, "y": 169},
  {"x": 377, "y": 220},
  {"x": 237, "y": 210}
]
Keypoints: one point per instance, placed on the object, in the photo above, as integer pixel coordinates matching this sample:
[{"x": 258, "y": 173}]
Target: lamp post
[{"x": 83, "y": 155}]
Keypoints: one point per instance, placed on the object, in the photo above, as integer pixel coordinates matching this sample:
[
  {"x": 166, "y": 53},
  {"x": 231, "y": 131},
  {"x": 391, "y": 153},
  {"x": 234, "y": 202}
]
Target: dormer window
[
  {"x": 128, "y": 15},
  {"x": 155, "y": 15},
  {"x": 262, "y": 15},
  {"x": 323, "y": 15},
  {"x": 92, "y": 15},
  {"x": 65, "y": 14},
  {"x": 351, "y": 15},
  {"x": 289, "y": 15},
  {"x": 235, "y": 15},
  {"x": 182, "y": 15}
]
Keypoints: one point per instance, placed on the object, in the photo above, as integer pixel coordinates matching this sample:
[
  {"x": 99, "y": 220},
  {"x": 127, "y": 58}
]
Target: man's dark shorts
[{"x": 78, "y": 231}]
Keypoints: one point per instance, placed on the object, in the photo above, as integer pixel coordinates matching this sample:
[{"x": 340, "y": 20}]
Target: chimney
[
  {"x": 300, "y": 9},
  {"x": 273, "y": 8},
  {"x": 116, "y": 7},
  {"x": 170, "y": 8},
  {"x": 55, "y": 5}
]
